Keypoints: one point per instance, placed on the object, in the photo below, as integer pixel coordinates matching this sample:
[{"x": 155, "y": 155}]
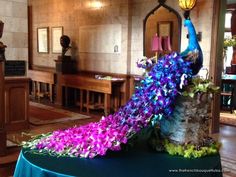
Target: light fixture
[
  {"x": 187, "y": 5},
  {"x": 96, "y": 4}
]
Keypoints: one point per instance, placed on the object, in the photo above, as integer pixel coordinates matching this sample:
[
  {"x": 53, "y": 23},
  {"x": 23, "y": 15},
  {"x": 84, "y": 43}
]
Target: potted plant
[{"x": 230, "y": 42}]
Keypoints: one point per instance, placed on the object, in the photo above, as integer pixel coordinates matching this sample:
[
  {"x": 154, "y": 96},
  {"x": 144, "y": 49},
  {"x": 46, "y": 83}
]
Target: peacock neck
[{"x": 192, "y": 36}]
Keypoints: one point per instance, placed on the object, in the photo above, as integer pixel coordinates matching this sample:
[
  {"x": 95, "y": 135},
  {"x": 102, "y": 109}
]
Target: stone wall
[
  {"x": 15, "y": 35},
  {"x": 73, "y": 14}
]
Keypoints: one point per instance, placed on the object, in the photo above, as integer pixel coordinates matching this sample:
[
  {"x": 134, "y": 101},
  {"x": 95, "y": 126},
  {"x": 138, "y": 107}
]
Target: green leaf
[
  {"x": 199, "y": 85},
  {"x": 191, "y": 95}
]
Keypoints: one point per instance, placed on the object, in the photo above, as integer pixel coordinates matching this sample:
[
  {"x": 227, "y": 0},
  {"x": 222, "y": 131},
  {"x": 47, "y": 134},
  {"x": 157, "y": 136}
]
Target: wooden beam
[
  {"x": 216, "y": 56},
  {"x": 2, "y": 112},
  {"x": 231, "y": 6},
  {"x": 30, "y": 37}
]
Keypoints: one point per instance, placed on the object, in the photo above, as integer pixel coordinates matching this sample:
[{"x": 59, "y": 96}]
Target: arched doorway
[{"x": 165, "y": 18}]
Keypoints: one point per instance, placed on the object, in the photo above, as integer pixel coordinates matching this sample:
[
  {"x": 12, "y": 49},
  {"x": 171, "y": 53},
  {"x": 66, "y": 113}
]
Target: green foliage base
[
  {"x": 190, "y": 151},
  {"x": 199, "y": 85}
]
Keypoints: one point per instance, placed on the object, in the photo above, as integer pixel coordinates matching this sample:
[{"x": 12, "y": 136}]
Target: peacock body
[{"x": 193, "y": 52}]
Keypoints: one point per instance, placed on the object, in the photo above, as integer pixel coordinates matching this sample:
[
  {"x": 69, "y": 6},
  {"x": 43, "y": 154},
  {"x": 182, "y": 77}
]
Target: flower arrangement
[
  {"x": 187, "y": 150},
  {"x": 199, "y": 85},
  {"x": 145, "y": 63},
  {"x": 191, "y": 151},
  {"x": 153, "y": 99},
  {"x": 230, "y": 42}
]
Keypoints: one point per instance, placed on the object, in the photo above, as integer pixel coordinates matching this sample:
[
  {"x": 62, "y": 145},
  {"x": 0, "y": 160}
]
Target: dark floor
[{"x": 227, "y": 137}]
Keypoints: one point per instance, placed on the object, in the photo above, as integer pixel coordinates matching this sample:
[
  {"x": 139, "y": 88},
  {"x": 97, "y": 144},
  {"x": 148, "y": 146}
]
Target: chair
[{"x": 227, "y": 95}]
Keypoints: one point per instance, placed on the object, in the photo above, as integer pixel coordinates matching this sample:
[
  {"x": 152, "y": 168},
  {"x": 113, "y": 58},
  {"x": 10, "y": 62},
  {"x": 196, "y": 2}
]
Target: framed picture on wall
[
  {"x": 42, "y": 40},
  {"x": 57, "y": 32},
  {"x": 164, "y": 28}
]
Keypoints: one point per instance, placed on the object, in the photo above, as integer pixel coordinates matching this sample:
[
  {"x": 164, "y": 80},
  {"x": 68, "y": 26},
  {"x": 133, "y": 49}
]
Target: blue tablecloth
[{"x": 139, "y": 161}]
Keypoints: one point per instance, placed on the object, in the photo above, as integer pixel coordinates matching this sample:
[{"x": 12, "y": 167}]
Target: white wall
[{"x": 49, "y": 13}]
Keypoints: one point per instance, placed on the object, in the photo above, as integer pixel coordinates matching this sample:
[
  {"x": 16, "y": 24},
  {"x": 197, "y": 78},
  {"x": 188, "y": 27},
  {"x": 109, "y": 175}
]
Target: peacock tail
[{"x": 153, "y": 100}]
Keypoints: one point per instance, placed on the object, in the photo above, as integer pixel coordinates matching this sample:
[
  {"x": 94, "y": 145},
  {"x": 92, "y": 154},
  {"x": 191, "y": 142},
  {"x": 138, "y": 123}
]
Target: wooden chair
[{"x": 42, "y": 77}]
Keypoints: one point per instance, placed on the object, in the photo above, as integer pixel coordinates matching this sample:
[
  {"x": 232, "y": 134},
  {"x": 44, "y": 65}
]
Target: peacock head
[{"x": 187, "y": 23}]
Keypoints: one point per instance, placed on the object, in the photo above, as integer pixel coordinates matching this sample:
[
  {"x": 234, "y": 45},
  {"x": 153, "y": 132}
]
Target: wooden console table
[{"x": 89, "y": 84}]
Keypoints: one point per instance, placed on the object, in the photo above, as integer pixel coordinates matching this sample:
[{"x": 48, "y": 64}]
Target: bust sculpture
[
  {"x": 65, "y": 43},
  {"x": 64, "y": 63}
]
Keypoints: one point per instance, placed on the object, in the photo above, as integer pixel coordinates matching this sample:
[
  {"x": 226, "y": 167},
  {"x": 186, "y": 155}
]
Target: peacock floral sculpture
[{"x": 152, "y": 101}]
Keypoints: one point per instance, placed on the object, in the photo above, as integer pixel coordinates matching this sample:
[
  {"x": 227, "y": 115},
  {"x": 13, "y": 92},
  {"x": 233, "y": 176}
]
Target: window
[
  {"x": 227, "y": 34},
  {"x": 228, "y": 16}
]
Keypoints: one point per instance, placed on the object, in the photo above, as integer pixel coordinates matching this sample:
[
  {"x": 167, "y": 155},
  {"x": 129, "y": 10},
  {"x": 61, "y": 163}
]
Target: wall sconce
[
  {"x": 187, "y": 6},
  {"x": 96, "y": 4}
]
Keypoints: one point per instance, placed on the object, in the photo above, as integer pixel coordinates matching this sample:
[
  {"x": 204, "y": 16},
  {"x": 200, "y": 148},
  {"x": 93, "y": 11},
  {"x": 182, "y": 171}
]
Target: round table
[{"x": 138, "y": 161}]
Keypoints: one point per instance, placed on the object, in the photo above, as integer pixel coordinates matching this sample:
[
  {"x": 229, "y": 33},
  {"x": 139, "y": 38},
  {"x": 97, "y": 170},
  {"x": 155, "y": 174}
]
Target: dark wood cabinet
[
  {"x": 65, "y": 65},
  {"x": 16, "y": 103}
]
